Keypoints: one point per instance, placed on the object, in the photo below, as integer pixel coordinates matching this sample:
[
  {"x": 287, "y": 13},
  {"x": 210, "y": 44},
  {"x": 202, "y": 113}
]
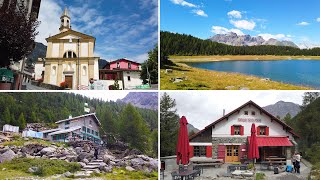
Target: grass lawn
[
  {"x": 119, "y": 174},
  {"x": 199, "y": 79}
]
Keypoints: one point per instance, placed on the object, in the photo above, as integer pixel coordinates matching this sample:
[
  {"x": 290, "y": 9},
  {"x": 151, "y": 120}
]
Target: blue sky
[
  {"x": 295, "y": 20},
  {"x": 123, "y": 28}
]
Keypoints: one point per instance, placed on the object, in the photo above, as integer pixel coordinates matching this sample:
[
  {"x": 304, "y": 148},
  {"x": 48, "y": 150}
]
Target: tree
[
  {"x": 169, "y": 125},
  {"x": 21, "y": 122},
  {"x": 6, "y": 116},
  {"x": 33, "y": 117},
  {"x": 287, "y": 118},
  {"x": 17, "y": 33},
  {"x": 133, "y": 129},
  {"x": 309, "y": 97},
  {"x": 150, "y": 66}
]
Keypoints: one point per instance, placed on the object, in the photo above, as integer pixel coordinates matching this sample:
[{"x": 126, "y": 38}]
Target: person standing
[
  {"x": 298, "y": 160},
  {"x": 96, "y": 152},
  {"x": 294, "y": 163}
]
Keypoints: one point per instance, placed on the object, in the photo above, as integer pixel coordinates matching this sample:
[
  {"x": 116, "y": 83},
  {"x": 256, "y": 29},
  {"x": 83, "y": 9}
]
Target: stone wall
[{"x": 221, "y": 140}]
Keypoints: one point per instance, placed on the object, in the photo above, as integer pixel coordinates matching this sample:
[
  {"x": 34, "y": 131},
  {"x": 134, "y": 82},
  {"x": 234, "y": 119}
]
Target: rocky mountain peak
[
  {"x": 142, "y": 100},
  {"x": 246, "y": 40}
]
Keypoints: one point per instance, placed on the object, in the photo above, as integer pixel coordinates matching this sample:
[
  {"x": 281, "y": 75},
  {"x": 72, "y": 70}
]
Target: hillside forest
[
  {"x": 187, "y": 45},
  {"x": 132, "y": 125},
  {"x": 306, "y": 124}
]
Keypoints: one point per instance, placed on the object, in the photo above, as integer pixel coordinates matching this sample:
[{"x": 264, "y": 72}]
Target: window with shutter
[{"x": 241, "y": 130}]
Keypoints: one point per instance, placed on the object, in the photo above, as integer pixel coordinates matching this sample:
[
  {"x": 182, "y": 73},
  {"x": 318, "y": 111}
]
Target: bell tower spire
[{"x": 65, "y": 21}]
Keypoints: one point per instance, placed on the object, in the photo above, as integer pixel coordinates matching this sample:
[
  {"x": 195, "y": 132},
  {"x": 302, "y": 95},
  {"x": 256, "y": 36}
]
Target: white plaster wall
[
  {"x": 38, "y": 71},
  {"x": 135, "y": 79},
  {"x": 55, "y": 49},
  {"x": 223, "y": 128},
  {"x": 96, "y": 70},
  {"x": 84, "y": 76},
  {"x": 53, "y": 75},
  {"x": 70, "y": 47},
  {"x": 84, "y": 50},
  {"x": 69, "y": 36}
]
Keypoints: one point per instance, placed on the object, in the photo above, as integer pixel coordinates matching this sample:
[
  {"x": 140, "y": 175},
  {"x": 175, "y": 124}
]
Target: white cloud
[
  {"x": 200, "y": 13},
  {"x": 235, "y": 14},
  {"x": 183, "y": 3},
  {"x": 276, "y": 36},
  {"x": 223, "y": 30},
  {"x": 210, "y": 104},
  {"x": 243, "y": 24},
  {"x": 140, "y": 58},
  {"x": 50, "y": 12},
  {"x": 303, "y": 23},
  {"x": 318, "y": 19}
]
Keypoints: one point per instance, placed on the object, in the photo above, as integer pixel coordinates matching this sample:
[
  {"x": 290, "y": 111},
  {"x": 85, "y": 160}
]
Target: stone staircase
[{"x": 91, "y": 167}]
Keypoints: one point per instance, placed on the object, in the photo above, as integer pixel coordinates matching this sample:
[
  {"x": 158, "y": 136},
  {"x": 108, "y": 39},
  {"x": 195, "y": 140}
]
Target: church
[{"x": 70, "y": 58}]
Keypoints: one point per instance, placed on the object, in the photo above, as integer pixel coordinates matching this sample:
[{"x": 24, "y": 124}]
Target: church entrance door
[{"x": 69, "y": 80}]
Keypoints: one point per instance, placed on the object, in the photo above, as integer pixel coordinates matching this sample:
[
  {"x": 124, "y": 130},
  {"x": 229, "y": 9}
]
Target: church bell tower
[{"x": 65, "y": 21}]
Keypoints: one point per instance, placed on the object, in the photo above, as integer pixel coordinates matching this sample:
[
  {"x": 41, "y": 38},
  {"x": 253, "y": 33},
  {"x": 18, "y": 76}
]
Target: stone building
[
  {"x": 85, "y": 127},
  {"x": 70, "y": 57},
  {"x": 227, "y": 138}
]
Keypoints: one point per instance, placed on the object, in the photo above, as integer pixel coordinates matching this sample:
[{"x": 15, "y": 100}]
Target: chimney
[{"x": 224, "y": 112}]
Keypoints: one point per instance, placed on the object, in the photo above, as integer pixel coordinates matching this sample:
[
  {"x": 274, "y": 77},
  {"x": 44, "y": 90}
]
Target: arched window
[{"x": 69, "y": 54}]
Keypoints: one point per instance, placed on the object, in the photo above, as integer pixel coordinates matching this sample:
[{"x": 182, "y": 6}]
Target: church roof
[{"x": 70, "y": 32}]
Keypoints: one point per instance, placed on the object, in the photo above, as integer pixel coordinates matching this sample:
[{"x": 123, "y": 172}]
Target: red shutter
[
  {"x": 267, "y": 131},
  {"x": 191, "y": 151},
  {"x": 241, "y": 130},
  {"x": 232, "y": 130},
  {"x": 221, "y": 152},
  {"x": 209, "y": 151},
  {"x": 258, "y": 131}
]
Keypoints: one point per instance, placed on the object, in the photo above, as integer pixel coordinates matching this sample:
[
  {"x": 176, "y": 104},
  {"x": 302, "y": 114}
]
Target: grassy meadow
[{"x": 200, "y": 79}]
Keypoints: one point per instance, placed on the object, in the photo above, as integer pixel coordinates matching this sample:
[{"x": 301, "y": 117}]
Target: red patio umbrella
[
  {"x": 253, "y": 151},
  {"x": 183, "y": 152}
]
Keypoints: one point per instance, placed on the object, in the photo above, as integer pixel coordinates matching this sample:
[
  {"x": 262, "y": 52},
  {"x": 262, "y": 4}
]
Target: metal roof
[
  {"x": 85, "y": 115},
  {"x": 65, "y": 130}
]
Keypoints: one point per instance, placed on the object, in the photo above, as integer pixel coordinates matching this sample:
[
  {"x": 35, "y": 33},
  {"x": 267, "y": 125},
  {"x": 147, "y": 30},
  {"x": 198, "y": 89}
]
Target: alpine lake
[{"x": 297, "y": 72}]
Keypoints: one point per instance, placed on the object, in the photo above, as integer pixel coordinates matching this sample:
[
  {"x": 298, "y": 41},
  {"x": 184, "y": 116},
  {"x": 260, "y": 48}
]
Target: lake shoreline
[
  {"x": 201, "y": 79},
  {"x": 187, "y": 59}
]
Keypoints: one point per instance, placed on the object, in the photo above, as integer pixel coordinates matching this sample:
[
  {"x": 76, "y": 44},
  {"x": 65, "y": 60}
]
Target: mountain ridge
[
  {"x": 141, "y": 100},
  {"x": 247, "y": 40},
  {"x": 281, "y": 108}
]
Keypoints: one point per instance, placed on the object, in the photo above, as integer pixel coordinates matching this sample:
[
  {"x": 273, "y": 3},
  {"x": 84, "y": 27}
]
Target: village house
[
  {"x": 228, "y": 137},
  {"x": 84, "y": 127},
  {"x": 125, "y": 71},
  {"x": 70, "y": 58}
]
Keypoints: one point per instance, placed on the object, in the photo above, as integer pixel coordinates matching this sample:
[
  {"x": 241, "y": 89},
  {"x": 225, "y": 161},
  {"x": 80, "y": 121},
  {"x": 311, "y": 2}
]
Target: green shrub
[
  {"x": 260, "y": 176},
  {"x": 46, "y": 167},
  {"x": 250, "y": 166}
]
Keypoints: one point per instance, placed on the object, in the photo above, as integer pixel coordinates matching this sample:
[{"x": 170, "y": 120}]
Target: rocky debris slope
[{"x": 82, "y": 152}]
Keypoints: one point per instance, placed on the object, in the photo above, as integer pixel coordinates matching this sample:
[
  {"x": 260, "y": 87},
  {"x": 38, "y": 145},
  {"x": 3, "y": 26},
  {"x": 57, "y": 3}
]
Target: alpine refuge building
[
  {"x": 70, "y": 57},
  {"x": 228, "y": 138},
  {"x": 85, "y": 127},
  {"x": 127, "y": 73}
]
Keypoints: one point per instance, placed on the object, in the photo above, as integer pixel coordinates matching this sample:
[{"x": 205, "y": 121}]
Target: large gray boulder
[
  {"x": 128, "y": 168},
  {"x": 7, "y": 156},
  {"x": 107, "y": 158},
  {"x": 47, "y": 151}
]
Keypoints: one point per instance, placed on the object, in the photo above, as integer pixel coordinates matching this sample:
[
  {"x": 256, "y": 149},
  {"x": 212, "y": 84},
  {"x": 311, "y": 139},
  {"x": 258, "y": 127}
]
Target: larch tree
[
  {"x": 150, "y": 67},
  {"x": 169, "y": 125},
  {"x": 133, "y": 129}
]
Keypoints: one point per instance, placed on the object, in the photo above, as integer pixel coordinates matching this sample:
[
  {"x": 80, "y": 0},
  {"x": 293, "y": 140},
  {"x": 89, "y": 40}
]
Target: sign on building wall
[{"x": 249, "y": 120}]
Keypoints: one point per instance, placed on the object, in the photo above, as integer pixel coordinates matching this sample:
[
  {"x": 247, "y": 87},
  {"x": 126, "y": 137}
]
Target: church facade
[{"x": 70, "y": 57}]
